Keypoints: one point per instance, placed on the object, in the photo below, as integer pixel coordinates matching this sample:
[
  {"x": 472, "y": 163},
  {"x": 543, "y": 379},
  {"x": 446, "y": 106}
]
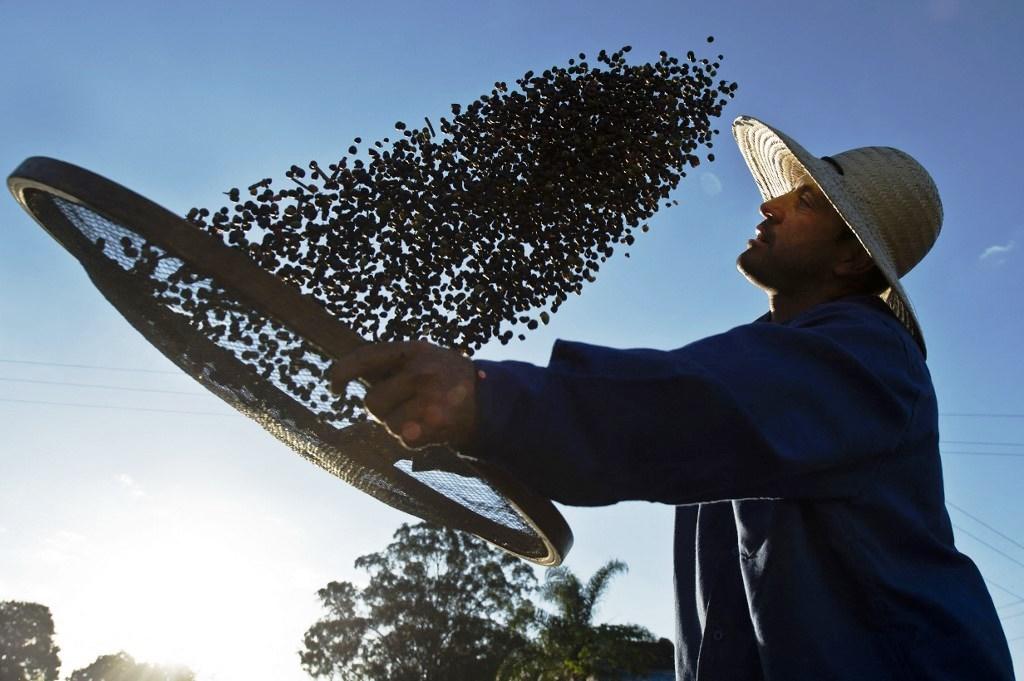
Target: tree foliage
[
  {"x": 570, "y": 647},
  {"x": 440, "y": 605},
  {"x": 122, "y": 667},
  {"x": 27, "y": 651}
]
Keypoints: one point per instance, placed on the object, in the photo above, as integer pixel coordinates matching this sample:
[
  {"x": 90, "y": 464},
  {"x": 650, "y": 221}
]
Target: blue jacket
[{"x": 812, "y": 539}]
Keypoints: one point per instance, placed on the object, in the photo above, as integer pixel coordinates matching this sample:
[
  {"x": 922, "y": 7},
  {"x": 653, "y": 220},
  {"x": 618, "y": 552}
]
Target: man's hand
[{"x": 424, "y": 394}]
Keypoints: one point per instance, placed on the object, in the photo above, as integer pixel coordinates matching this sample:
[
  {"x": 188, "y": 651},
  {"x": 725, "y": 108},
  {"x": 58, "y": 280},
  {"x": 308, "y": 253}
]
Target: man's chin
[
  {"x": 743, "y": 262},
  {"x": 749, "y": 269}
]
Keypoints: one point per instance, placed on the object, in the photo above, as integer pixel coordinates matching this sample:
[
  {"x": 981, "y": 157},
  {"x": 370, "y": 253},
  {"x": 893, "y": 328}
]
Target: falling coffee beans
[{"x": 491, "y": 221}]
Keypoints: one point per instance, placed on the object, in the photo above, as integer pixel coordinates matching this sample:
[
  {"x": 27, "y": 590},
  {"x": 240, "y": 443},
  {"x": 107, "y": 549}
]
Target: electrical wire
[
  {"x": 205, "y": 413},
  {"x": 92, "y": 366},
  {"x": 975, "y": 442},
  {"x": 994, "y": 548},
  {"x": 1020, "y": 599},
  {"x": 984, "y": 524},
  {"x": 94, "y": 385},
  {"x": 984, "y": 454},
  {"x": 982, "y": 415},
  {"x": 116, "y": 407}
]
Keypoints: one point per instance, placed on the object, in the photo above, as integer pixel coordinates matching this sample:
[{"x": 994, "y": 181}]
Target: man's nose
[{"x": 770, "y": 209}]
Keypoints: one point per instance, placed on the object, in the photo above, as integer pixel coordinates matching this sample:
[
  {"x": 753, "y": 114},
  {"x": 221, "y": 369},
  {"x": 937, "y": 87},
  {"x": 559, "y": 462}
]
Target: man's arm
[{"x": 764, "y": 410}]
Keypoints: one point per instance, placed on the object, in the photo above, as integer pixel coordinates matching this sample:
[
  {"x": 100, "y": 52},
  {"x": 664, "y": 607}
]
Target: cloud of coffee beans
[{"x": 461, "y": 236}]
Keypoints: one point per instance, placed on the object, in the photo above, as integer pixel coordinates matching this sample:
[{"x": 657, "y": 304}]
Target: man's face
[{"x": 797, "y": 245}]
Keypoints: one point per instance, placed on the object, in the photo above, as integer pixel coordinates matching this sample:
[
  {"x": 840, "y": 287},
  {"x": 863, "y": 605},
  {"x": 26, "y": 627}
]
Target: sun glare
[{"x": 194, "y": 586}]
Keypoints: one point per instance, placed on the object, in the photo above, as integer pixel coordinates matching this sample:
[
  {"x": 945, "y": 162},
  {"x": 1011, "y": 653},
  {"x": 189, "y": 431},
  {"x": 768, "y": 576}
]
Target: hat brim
[{"x": 778, "y": 164}]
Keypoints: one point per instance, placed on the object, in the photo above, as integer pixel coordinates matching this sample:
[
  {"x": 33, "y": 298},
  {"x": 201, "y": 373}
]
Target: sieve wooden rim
[{"x": 269, "y": 296}]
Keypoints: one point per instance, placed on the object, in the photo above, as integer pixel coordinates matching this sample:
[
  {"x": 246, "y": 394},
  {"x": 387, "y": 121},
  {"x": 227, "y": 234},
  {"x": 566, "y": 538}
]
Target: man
[{"x": 801, "y": 450}]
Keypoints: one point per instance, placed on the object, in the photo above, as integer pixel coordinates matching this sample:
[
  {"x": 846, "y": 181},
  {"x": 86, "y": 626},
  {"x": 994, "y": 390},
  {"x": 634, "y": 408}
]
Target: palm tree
[{"x": 569, "y": 647}]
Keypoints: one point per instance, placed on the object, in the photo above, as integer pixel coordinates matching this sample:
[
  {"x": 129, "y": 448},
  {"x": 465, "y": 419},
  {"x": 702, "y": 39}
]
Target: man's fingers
[
  {"x": 403, "y": 421},
  {"x": 423, "y": 394},
  {"x": 386, "y": 395},
  {"x": 418, "y": 422},
  {"x": 368, "y": 361}
]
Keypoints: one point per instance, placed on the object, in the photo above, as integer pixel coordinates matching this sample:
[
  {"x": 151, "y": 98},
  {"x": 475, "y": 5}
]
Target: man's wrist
[{"x": 470, "y": 433}]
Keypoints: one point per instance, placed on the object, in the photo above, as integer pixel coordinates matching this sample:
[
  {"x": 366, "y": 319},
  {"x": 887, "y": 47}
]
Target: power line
[
  {"x": 94, "y": 385},
  {"x": 984, "y": 524},
  {"x": 982, "y": 415},
  {"x": 1013, "y": 541},
  {"x": 117, "y": 407},
  {"x": 984, "y": 454},
  {"x": 92, "y": 366},
  {"x": 182, "y": 374},
  {"x": 1020, "y": 599},
  {"x": 198, "y": 394},
  {"x": 974, "y": 442},
  {"x": 994, "y": 548}
]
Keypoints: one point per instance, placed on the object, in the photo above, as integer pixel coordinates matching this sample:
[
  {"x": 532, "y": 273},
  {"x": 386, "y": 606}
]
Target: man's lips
[{"x": 762, "y": 236}]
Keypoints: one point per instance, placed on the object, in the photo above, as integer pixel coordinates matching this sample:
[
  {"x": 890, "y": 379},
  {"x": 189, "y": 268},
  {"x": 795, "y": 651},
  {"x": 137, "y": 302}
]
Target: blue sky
[{"x": 197, "y": 537}]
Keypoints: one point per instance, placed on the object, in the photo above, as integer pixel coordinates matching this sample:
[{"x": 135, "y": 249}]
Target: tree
[
  {"x": 569, "y": 647},
  {"x": 122, "y": 667},
  {"x": 440, "y": 604},
  {"x": 27, "y": 651}
]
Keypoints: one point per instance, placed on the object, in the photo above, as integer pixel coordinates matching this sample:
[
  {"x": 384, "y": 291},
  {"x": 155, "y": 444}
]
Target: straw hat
[{"x": 886, "y": 197}]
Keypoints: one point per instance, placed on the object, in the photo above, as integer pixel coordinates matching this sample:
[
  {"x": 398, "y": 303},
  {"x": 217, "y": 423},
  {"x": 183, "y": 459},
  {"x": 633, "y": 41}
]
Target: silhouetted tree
[
  {"x": 569, "y": 647},
  {"x": 27, "y": 651},
  {"x": 122, "y": 667},
  {"x": 440, "y": 605}
]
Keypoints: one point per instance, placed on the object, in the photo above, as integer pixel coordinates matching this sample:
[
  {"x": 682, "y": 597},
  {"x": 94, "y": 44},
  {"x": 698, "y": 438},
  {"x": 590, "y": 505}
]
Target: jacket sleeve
[{"x": 765, "y": 410}]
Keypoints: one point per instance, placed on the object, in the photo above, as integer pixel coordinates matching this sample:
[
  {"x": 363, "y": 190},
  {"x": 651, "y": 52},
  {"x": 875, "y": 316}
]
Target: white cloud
[
  {"x": 128, "y": 483},
  {"x": 996, "y": 252},
  {"x": 710, "y": 183}
]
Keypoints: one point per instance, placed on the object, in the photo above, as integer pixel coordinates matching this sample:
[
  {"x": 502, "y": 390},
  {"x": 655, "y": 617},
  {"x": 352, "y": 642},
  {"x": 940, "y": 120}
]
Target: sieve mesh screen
[{"x": 269, "y": 372}]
